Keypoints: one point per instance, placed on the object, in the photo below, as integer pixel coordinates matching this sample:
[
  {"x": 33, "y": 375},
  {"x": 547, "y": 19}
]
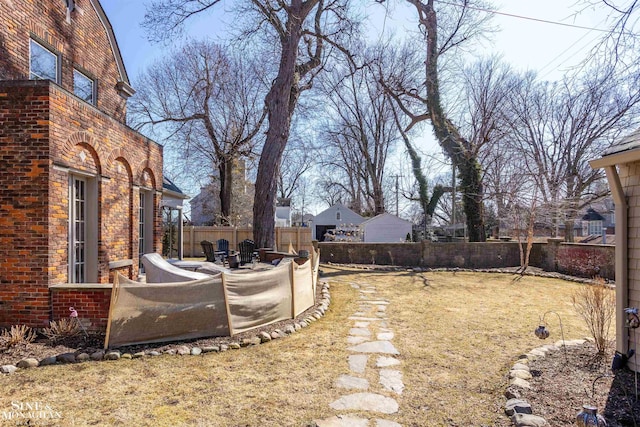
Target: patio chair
[
  {"x": 223, "y": 249},
  {"x": 207, "y": 248},
  {"x": 247, "y": 248}
]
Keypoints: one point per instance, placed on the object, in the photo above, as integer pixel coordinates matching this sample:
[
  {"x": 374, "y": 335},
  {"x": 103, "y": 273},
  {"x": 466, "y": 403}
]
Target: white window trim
[{"x": 91, "y": 228}]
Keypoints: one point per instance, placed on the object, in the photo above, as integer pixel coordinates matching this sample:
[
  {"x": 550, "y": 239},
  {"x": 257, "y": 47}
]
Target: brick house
[{"x": 80, "y": 191}]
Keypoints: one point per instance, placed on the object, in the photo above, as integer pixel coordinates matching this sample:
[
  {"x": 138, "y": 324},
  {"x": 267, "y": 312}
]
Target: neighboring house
[
  {"x": 335, "y": 217},
  {"x": 80, "y": 192},
  {"x": 385, "y": 228},
  {"x": 205, "y": 206},
  {"x": 622, "y": 166}
]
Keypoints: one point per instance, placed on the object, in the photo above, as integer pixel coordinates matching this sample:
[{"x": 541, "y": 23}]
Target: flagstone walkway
[{"x": 370, "y": 342}]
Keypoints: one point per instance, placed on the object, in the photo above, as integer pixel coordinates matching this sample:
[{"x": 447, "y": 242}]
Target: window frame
[
  {"x": 93, "y": 81},
  {"x": 90, "y": 229},
  {"x": 46, "y": 47}
]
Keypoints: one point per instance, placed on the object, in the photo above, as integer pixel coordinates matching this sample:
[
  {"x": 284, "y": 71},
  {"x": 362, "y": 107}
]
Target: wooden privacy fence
[{"x": 299, "y": 237}]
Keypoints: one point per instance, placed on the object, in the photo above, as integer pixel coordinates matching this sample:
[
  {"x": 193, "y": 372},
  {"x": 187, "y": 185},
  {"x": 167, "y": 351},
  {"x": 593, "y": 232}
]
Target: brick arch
[
  {"x": 140, "y": 178},
  {"x": 84, "y": 140},
  {"x": 119, "y": 154}
]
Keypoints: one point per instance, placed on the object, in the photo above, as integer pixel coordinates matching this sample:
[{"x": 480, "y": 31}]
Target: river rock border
[
  {"x": 262, "y": 337},
  {"x": 519, "y": 375}
]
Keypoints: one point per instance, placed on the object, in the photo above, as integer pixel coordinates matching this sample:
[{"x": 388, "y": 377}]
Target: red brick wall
[
  {"x": 46, "y": 134},
  {"x": 82, "y": 43},
  {"x": 92, "y": 305},
  {"x": 24, "y": 226}
]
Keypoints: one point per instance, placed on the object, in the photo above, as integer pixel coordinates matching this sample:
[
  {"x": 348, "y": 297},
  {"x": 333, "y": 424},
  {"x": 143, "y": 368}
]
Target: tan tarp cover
[
  {"x": 303, "y": 292},
  {"x": 219, "y": 305},
  {"x": 260, "y": 298},
  {"x": 145, "y": 313}
]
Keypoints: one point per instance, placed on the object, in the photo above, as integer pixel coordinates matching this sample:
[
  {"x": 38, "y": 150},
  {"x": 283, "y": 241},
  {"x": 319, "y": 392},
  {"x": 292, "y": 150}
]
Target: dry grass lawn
[{"x": 458, "y": 334}]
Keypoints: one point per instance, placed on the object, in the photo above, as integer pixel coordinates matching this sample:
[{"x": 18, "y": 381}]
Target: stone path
[{"x": 373, "y": 355}]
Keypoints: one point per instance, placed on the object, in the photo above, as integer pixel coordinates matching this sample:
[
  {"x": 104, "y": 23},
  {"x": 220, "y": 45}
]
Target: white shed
[
  {"x": 336, "y": 216},
  {"x": 385, "y": 228}
]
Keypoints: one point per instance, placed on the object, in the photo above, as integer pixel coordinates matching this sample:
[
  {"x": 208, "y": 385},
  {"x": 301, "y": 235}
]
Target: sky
[{"x": 527, "y": 44}]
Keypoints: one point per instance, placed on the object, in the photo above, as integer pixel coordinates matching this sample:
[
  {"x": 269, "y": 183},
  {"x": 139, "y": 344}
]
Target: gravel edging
[
  {"x": 519, "y": 375},
  {"x": 264, "y": 336}
]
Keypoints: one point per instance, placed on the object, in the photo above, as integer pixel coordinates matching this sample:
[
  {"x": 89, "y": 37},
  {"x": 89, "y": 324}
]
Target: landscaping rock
[
  {"x": 196, "y": 351},
  {"x": 8, "y": 369},
  {"x": 97, "y": 355},
  {"x": 128, "y": 356},
  {"x": 275, "y": 335},
  {"x": 66, "y": 358},
  {"x": 527, "y": 420},
  {"x": 289, "y": 329},
  {"x": 383, "y": 362},
  {"x": 236, "y": 346},
  {"x": 341, "y": 421},
  {"x": 366, "y": 402},
  {"x": 154, "y": 353},
  {"x": 224, "y": 347},
  {"x": 391, "y": 380},
  {"x": 183, "y": 350},
  {"x": 171, "y": 351},
  {"x": 29, "y": 362},
  {"x": 517, "y": 406},
  {"x": 138, "y": 355},
  {"x": 347, "y": 381},
  {"x": 512, "y": 393},
  {"x": 520, "y": 373},
  {"x": 51, "y": 360},
  {"x": 83, "y": 357},
  {"x": 519, "y": 382},
  {"x": 112, "y": 355},
  {"x": 520, "y": 366},
  {"x": 297, "y": 326},
  {"x": 211, "y": 349}
]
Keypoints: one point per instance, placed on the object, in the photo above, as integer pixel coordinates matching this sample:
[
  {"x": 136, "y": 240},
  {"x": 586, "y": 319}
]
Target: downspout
[{"x": 622, "y": 259}]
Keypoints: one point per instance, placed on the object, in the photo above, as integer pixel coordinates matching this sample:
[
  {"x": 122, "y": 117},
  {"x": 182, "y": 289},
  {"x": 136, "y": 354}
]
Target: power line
[{"x": 529, "y": 18}]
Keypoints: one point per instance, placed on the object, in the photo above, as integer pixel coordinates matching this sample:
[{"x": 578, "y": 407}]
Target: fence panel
[{"x": 299, "y": 237}]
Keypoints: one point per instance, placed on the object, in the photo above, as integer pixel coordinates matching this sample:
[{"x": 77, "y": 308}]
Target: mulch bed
[{"x": 562, "y": 385}]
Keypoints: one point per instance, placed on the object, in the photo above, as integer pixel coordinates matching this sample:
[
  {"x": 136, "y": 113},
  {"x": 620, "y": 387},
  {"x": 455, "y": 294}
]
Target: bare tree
[
  {"x": 359, "y": 130},
  {"x": 558, "y": 127},
  {"x": 444, "y": 30},
  {"x": 300, "y": 29},
  {"x": 209, "y": 103}
]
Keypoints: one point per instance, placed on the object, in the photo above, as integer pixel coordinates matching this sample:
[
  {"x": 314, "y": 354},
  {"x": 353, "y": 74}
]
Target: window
[
  {"x": 145, "y": 224},
  {"x": 338, "y": 216},
  {"x": 595, "y": 227},
  {"x": 83, "y": 87},
  {"x": 78, "y": 229},
  {"x": 43, "y": 63},
  {"x": 83, "y": 229}
]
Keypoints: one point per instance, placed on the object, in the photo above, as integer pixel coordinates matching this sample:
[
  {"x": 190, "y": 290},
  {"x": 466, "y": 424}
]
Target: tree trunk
[
  {"x": 280, "y": 101},
  {"x": 568, "y": 231},
  {"x": 226, "y": 189},
  {"x": 456, "y": 147}
]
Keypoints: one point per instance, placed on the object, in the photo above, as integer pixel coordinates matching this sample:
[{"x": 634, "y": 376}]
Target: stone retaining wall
[{"x": 567, "y": 258}]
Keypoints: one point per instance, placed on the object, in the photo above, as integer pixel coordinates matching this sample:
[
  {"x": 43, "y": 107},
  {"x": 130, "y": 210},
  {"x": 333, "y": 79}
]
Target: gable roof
[
  {"x": 592, "y": 215},
  {"x": 123, "y": 84},
  {"x": 385, "y": 215}
]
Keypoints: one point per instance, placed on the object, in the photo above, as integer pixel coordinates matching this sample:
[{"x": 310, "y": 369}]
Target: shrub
[
  {"x": 17, "y": 335},
  {"x": 63, "y": 328},
  {"x": 596, "y": 304}
]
